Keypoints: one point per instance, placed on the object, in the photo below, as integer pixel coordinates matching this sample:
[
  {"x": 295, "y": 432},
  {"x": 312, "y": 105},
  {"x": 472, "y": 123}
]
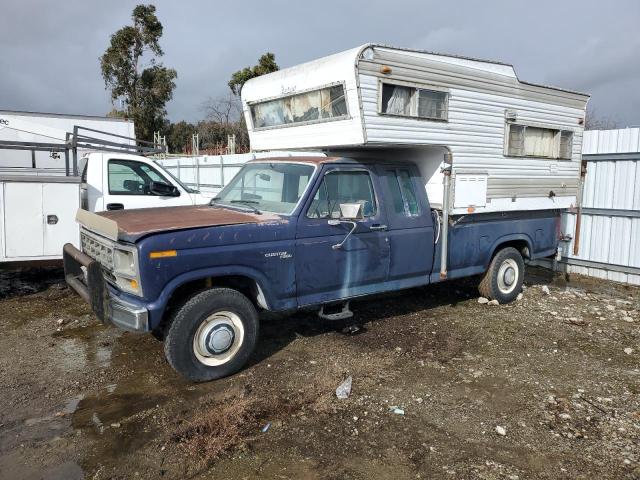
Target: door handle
[
  {"x": 377, "y": 228},
  {"x": 115, "y": 206},
  {"x": 52, "y": 219}
]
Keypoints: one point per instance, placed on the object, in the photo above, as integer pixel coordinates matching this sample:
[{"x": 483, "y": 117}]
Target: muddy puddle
[{"x": 86, "y": 346}]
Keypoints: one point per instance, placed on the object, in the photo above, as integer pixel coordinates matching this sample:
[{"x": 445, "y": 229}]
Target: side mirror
[
  {"x": 351, "y": 211},
  {"x": 164, "y": 189}
]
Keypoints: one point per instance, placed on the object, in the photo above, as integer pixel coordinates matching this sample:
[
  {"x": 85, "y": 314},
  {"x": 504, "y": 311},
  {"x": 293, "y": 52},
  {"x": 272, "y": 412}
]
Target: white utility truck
[{"x": 85, "y": 168}]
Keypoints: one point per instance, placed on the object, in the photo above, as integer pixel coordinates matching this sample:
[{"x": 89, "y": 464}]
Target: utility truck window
[
  {"x": 343, "y": 187},
  {"x": 127, "y": 177},
  {"x": 270, "y": 187},
  {"x": 413, "y": 102},
  {"x": 529, "y": 141},
  {"x": 314, "y": 106}
]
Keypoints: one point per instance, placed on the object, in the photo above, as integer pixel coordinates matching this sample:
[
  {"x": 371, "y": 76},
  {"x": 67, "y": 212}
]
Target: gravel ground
[{"x": 442, "y": 387}]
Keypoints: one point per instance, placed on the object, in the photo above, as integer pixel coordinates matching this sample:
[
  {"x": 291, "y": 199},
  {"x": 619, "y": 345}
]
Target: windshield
[{"x": 272, "y": 187}]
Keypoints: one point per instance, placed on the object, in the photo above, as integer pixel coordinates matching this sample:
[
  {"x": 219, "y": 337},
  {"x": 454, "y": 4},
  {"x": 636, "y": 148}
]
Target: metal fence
[
  {"x": 209, "y": 173},
  {"x": 609, "y": 245}
]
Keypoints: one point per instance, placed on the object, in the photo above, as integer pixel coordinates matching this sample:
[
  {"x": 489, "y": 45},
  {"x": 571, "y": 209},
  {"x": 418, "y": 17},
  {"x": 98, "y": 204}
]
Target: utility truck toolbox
[{"x": 309, "y": 232}]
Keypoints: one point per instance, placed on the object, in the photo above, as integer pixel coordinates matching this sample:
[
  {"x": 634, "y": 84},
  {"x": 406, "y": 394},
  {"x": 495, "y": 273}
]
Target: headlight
[
  {"x": 125, "y": 271},
  {"x": 124, "y": 262}
]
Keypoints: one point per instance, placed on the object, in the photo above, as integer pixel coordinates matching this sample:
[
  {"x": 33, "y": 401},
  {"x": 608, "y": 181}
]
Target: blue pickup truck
[{"x": 287, "y": 234}]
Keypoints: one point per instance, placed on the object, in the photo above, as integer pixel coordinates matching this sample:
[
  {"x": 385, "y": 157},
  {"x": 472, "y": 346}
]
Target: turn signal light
[
  {"x": 133, "y": 284},
  {"x": 163, "y": 254}
]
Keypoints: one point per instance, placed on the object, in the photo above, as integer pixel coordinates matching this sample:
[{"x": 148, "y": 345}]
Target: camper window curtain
[
  {"x": 306, "y": 107},
  {"x": 539, "y": 142},
  {"x": 432, "y": 104},
  {"x": 396, "y": 99},
  {"x": 413, "y": 102},
  {"x": 529, "y": 141}
]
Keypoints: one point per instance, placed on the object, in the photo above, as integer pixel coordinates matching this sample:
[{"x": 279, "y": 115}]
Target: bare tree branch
[
  {"x": 594, "y": 121},
  {"x": 224, "y": 110}
]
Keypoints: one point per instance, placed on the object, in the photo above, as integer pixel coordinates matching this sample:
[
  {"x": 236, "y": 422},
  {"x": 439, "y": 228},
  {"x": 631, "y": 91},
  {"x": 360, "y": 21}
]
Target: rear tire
[
  {"x": 503, "y": 280},
  {"x": 212, "y": 335}
]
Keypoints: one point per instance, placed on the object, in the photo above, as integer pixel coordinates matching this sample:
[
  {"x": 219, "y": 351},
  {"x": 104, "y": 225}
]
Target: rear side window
[
  {"x": 343, "y": 187},
  {"x": 403, "y": 195}
]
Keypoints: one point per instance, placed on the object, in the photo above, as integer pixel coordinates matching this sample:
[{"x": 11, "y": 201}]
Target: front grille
[{"x": 99, "y": 250}]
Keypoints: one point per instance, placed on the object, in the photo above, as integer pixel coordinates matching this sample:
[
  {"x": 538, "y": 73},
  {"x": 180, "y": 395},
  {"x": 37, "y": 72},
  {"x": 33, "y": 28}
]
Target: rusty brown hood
[{"x": 136, "y": 223}]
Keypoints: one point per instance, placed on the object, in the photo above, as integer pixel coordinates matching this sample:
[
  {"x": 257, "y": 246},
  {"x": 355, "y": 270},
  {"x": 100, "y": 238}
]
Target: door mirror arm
[
  {"x": 349, "y": 213},
  {"x": 353, "y": 224}
]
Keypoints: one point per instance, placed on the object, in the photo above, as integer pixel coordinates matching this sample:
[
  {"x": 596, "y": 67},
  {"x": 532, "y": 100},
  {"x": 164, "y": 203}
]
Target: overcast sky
[{"x": 49, "y": 50}]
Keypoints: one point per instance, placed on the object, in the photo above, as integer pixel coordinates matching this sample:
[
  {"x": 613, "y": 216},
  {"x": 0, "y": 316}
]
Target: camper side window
[
  {"x": 408, "y": 101},
  {"x": 534, "y": 141},
  {"x": 318, "y": 105}
]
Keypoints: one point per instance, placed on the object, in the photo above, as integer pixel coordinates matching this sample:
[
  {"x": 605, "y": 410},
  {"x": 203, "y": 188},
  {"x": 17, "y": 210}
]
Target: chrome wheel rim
[
  {"x": 508, "y": 275},
  {"x": 218, "y": 338}
]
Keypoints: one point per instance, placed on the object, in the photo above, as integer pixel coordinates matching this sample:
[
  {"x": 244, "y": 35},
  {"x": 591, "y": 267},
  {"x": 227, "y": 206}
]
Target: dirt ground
[{"x": 548, "y": 387}]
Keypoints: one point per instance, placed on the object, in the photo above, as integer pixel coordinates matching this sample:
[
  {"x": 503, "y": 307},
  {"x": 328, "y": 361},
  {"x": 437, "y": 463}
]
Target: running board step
[{"x": 341, "y": 315}]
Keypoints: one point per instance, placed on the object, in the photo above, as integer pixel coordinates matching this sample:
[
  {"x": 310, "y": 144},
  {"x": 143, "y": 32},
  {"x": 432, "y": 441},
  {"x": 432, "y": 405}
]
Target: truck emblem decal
[{"x": 281, "y": 255}]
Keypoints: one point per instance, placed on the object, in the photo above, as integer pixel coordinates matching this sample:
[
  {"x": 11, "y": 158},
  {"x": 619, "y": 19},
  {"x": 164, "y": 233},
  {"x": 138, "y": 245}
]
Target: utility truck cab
[{"x": 117, "y": 181}]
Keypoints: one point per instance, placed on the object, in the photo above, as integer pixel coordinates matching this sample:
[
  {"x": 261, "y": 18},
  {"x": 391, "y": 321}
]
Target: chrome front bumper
[
  {"x": 127, "y": 316},
  {"x": 85, "y": 276}
]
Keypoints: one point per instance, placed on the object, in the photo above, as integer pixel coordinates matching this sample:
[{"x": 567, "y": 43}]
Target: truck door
[
  {"x": 360, "y": 266},
  {"x": 127, "y": 184},
  {"x": 410, "y": 225}
]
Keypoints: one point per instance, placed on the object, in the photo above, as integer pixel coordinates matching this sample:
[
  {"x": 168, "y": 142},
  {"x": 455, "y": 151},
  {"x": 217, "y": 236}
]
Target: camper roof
[{"x": 349, "y": 58}]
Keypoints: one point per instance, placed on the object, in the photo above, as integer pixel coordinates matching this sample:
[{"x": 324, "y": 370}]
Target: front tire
[
  {"x": 503, "y": 280},
  {"x": 212, "y": 335}
]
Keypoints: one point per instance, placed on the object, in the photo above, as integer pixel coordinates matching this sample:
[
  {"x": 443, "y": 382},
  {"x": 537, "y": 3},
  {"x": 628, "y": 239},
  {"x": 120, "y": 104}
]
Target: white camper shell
[{"x": 513, "y": 145}]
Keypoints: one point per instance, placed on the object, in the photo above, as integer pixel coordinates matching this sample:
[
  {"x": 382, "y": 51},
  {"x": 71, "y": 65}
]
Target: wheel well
[
  {"x": 245, "y": 285},
  {"x": 521, "y": 245}
]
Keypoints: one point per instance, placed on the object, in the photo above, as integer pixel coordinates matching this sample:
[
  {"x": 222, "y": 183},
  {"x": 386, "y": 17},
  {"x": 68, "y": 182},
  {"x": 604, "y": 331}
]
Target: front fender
[{"x": 158, "y": 306}]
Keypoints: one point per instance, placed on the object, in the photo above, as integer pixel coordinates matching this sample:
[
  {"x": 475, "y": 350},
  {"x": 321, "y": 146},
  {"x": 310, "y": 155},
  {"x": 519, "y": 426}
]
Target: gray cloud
[{"x": 49, "y": 51}]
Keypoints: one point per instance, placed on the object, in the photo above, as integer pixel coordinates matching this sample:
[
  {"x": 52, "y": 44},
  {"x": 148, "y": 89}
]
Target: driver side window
[
  {"x": 128, "y": 177},
  {"x": 343, "y": 187}
]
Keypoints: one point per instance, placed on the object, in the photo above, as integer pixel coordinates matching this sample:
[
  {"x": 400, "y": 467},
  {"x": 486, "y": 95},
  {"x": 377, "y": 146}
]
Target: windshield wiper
[
  {"x": 213, "y": 200},
  {"x": 248, "y": 204}
]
